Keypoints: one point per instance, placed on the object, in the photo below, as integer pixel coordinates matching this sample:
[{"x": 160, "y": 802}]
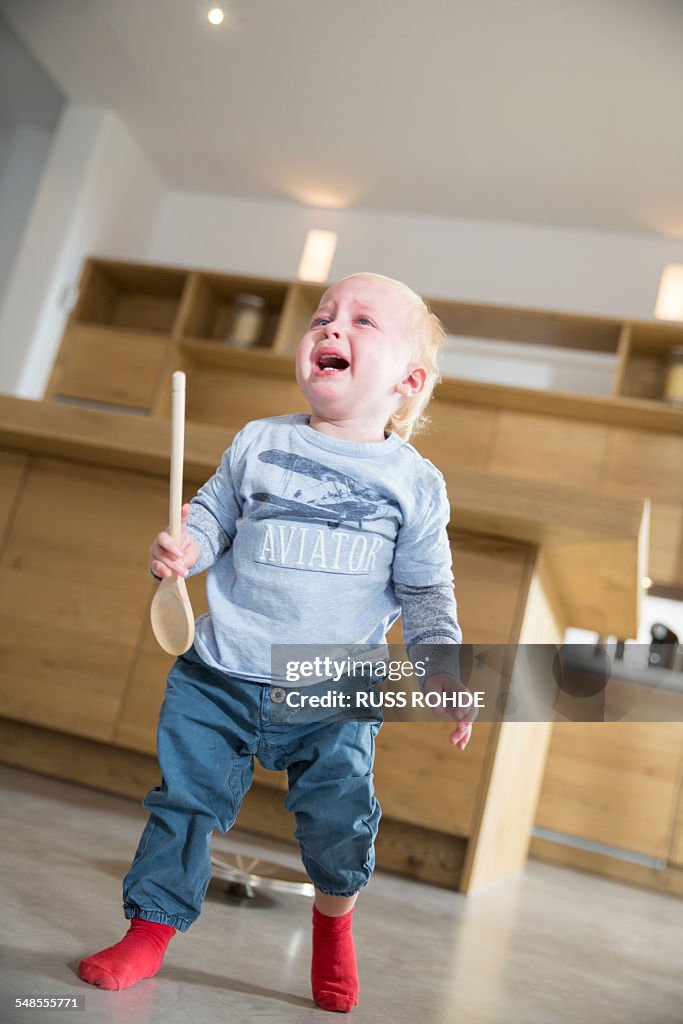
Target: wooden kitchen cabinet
[
  {"x": 547, "y": 490},
  {"x": 134, "y": 324},
  {"x": 12, "y": 469},
  {"x": 137, "y": 303},
  {"x": 82, "y": 678},
  {"x": 74, "y": 596},
  {"x": 677, "y": 831},
  {"x": 615, "y": 784}
]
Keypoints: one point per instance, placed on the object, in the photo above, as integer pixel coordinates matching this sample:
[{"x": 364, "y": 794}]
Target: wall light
[
  {"x": 669, "y": 305},
  {"x": 316, "y": 259},
  {"x": 216, "y": 16}
]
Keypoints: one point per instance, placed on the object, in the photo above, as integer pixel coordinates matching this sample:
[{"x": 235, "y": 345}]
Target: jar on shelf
[
  {"x": 673, "y": 384},
  {"x": 247, "y": 315}
]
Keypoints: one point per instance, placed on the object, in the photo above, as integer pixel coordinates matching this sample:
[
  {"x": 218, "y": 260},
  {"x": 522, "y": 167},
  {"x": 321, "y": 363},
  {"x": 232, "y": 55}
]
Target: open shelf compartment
[
  {"x": 648, "y": 360},
  {"x": 208, "y": 311},
  {"x": 129, "y": 297}
]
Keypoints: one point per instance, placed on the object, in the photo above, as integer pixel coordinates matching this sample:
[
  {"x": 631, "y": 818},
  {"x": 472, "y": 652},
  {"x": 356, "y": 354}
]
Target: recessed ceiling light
[
  {"x": 670, "y": 296},
  {"x": 216, "y": 16},
  {"x": 316, "y": 259}
]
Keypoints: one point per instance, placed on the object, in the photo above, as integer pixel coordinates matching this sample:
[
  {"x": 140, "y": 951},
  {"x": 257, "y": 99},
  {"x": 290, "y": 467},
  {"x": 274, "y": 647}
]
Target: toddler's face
[{"x": 356, "y": 358}]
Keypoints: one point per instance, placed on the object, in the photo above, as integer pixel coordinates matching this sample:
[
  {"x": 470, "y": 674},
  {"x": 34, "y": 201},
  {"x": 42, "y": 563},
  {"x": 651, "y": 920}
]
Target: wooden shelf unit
[
  {"x": 129, "y": 297},
  {"x": 134, "y": 324},
  {"x": 116, "y": 357}
]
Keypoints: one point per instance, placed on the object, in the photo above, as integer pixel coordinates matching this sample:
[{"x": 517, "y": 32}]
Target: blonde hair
[{"x": 429, "y": 336}]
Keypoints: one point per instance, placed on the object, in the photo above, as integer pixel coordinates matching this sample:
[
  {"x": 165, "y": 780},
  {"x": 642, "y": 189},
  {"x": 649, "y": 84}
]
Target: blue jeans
[{"x": 210, "y": 727}]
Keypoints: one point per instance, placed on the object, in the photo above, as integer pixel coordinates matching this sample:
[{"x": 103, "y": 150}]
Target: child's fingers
[
  {"x": 460, "y": 737},
  {"x": 166, "y": 569},
  {"x": 165, "y": 557},
  {"x": 446, "y": 706},
  {"x": 457, "y": 733},
  {"x": 160, "y": 569},
  {"x": 168, "y": 545}
]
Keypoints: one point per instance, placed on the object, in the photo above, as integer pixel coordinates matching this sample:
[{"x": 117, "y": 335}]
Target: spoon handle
[{"x": 177, "y": 452}]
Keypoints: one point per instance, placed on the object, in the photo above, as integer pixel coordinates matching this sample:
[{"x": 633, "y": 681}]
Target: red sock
[
  {"x": 138, "y": 955},
  {"x": 334, "y": 978}
]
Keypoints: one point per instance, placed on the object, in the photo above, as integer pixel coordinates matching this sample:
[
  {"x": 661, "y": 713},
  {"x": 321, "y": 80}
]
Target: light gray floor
[{"x": 547, "y": 947}]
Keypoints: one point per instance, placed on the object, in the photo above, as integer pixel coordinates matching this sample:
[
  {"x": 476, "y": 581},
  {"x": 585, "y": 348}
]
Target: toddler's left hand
[
  {"x": 442, "y": 683},
  {"x": 460, "y": 736}
]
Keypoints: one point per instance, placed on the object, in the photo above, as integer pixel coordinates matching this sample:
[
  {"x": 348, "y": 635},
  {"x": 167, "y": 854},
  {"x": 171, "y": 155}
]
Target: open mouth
[{"x": 330, "y": 363}]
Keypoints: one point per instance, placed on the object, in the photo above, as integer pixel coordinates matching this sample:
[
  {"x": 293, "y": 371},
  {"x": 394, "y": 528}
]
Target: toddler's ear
[{"x": 413, "y": 382}]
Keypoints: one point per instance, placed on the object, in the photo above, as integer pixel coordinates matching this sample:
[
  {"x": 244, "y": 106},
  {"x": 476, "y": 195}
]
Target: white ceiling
[{"x": 559, "y": 112}]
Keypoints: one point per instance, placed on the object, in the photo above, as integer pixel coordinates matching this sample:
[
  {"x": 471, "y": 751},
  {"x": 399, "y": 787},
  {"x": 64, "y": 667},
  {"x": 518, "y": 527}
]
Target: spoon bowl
[{"x": 172, "y": 616}]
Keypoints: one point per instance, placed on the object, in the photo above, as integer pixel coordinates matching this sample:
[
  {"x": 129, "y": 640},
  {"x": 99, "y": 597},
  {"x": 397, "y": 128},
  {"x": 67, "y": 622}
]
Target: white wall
[
  {"x": 528, "y": 366},
  {"x": 28, "y": 95},
  {"x": 98, "y": 194},
  {"x": 31, "y": 104},
  {"x": 23, "y": 154},
  {"x": 602, "y": 273}
]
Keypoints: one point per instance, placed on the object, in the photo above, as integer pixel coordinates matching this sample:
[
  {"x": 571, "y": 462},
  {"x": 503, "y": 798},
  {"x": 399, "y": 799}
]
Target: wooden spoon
[{"x": 171, "y": 612}]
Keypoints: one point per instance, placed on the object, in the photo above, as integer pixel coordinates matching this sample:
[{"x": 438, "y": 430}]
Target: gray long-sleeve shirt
[{"x": 310, "y": 539}]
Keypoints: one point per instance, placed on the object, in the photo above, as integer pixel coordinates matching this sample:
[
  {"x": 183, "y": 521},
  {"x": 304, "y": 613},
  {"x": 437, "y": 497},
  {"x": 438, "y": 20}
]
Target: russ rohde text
[{"x": 390, "y": 699}]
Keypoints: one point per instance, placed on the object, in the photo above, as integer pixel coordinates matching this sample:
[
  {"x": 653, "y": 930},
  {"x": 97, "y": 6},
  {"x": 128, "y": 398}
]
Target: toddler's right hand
[{"x": 165, "y": 558}]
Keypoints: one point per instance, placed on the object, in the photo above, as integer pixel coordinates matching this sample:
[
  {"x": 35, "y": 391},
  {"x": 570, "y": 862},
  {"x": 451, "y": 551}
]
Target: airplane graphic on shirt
[{"x": 334, "y": 498}]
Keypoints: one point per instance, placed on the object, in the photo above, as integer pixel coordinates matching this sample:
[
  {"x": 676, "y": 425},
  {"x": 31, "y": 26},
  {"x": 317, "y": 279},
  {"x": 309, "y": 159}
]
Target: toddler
[{"x": 316, "y": 529}]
